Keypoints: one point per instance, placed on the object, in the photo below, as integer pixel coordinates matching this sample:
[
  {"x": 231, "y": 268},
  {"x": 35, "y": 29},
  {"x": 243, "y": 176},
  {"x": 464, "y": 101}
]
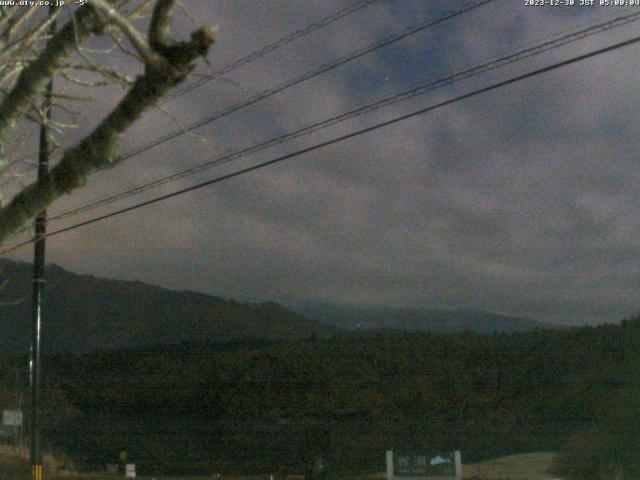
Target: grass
[
  {"x": 528, "y": 466},
  {"x": 15, "y": 465}
]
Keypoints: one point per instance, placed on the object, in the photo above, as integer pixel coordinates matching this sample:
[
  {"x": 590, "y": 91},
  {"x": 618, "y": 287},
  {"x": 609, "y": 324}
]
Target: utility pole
[{"x": 35, "y": 373}]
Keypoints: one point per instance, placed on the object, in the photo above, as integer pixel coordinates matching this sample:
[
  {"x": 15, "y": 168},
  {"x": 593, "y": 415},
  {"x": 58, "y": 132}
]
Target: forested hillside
[
  {"x": 83, "y": 313},
  {"x": 262, "y": 406}
]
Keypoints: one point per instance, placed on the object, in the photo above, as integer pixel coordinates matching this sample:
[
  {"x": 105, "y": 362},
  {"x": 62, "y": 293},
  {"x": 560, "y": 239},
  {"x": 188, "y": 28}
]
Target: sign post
[
  {"x": 130, "y": 470},
  {"x": 424, "y": 465},
  {"x": 12, "y": 418},
  {"x": 12, "y": 423}
]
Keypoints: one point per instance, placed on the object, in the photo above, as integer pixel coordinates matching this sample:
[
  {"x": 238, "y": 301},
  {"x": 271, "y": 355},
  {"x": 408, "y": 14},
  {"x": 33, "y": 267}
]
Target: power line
[
  {"x": 341, "y": 138},
  {"x": 384, "y": 102},
  {"x": 273, "y": 46},
  {"x": 256, "y": 54},
  {"x": 412, "y": 30}
]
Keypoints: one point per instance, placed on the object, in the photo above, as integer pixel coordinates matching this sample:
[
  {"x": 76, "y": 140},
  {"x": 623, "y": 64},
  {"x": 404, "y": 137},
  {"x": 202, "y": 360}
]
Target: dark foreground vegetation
[{"x": 267, "y": 406}]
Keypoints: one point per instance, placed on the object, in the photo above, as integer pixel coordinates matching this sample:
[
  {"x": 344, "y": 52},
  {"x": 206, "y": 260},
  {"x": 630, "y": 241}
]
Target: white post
[
  {"x": 458, "y": 460},
  {"x": 389, "y": 465}
]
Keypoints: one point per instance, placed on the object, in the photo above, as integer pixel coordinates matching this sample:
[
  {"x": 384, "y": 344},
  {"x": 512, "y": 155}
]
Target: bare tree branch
[
  {"x": 160, "y": 28},
  {"x": 136, "y": 39},
  {"x": 34, "y": 78},
  {"x": 169, "y": 65}
]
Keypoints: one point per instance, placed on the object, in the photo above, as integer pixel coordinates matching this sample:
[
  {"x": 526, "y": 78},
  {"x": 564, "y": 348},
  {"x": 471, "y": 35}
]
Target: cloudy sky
[{"x": 519, "y": 201}]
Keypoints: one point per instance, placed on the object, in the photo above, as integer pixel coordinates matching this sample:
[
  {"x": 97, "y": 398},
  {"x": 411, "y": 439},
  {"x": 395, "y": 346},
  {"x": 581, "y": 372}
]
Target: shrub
[{"x": 601, "y": 453}]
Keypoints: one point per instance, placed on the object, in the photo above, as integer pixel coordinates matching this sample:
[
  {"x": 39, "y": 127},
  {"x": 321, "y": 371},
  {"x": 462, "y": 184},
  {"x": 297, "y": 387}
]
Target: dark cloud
[{"x": 522, "y": 201}]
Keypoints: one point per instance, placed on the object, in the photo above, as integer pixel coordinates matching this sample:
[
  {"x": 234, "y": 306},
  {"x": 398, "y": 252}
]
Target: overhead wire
[
  {"x": 261, "y": 52},
  {"x": 252, "y": 56},
  {"x": 411, "y": 30},
  {"x": 342, "y": 138},
  {"x": 270, "y": 92},
  {"x": 423, "y": 88},
  {"x": 389, "y": 40}
]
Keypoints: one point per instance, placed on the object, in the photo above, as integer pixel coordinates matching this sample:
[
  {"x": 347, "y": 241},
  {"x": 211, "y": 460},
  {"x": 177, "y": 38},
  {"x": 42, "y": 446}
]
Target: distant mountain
[
  {"x": 440, "y": 321},
  {"x": 83, "y": 313}
]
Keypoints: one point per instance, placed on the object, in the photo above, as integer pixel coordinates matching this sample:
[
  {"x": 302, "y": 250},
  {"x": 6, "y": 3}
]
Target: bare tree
[{"x": 30, "y": 56}]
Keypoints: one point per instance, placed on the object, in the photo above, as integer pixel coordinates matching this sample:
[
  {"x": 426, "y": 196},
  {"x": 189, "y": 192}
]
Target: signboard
[
  {"x": 130, "y": 470},
  {"x": 424, "y": 465},
  {"x": 12, "y": 418}
]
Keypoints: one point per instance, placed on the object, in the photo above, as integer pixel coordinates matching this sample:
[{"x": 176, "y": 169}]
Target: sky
[{"x": 521, "y": 201}]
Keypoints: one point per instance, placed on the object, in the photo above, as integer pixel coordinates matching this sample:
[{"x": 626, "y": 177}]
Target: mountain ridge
[
  {"x": 83, "y": 313},
  {"x": 354, "y": 317}
]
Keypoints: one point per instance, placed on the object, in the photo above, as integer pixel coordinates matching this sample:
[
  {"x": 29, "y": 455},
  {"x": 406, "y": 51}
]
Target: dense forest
[{"x": 263, "y": 405}]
